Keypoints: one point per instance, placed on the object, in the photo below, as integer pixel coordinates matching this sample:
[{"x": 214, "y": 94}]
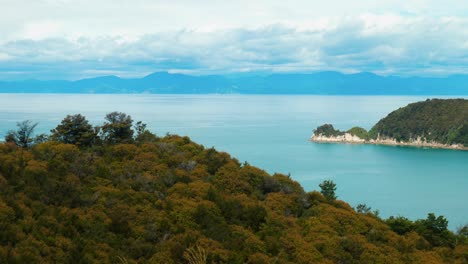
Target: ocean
[{"x": 273, "y": 131}]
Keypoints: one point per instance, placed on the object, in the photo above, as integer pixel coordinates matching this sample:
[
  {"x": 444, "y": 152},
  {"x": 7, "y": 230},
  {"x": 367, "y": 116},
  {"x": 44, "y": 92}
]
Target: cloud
[
  {"x": 41, "y": 30},
  {"x": 385, "y": 43}
]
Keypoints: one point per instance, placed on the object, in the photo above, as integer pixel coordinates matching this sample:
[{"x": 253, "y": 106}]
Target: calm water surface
[{"x": 272, "y": 132}]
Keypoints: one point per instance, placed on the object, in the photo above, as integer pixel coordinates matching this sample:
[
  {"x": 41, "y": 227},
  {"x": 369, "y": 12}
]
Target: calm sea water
[{"x": 272, "y": 132}]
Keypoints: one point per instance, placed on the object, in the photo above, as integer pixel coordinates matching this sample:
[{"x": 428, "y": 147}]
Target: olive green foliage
[
  {"x": 195, "y": 255},
  {"x": 328, "y": 189},
  {"x": 117, "y": 128},
  {"x": 75, "y": 129},
  {"x": 142, "y": 134},
  {"x": 400, "y": 224},
  {"x": 170, "y": 200},
  {"x": 23, "y": 136},
  {"x": 363, "y": 209},
  {"x": 462, "y": 234},
  {"x": 327, "y": 130},
  {"x": 434, "y": 230},
  {"x": 441, "y": 120},
  {"x": 359, "y": 132}
]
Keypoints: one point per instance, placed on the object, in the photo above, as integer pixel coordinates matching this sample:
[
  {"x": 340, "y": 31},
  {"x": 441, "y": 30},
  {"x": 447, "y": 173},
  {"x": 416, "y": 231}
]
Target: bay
[{"x": 272, "y": 132}]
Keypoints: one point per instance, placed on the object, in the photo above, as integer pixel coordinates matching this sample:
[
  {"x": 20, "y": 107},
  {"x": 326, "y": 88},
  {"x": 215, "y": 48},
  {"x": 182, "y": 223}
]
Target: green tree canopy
[
  {"x": 327, "y": 130},
  {"x": 74, "y": 129},
  {"x": 328, "y": 188},
  {"x": 441, "y": 120},
  {"x": 434, "y": 230},
  {"x": 142, "y": 134},
  {"x": 117, "y": 128}
]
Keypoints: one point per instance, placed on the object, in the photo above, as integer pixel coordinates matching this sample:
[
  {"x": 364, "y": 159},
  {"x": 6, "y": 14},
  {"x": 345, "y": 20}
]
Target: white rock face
[
  {"x": 352, "y": 139},
  {"x": 346, "y": 138}
]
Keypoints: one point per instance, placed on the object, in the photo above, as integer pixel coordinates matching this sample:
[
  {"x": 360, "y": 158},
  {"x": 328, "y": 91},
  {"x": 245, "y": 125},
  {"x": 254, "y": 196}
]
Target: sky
[{"x": 74, "y": 39}]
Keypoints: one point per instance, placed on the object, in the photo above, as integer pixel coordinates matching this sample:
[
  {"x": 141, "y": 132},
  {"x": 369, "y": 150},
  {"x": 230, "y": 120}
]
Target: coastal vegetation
[
  {"x": 359, "y": 132},
  {"x": 439, "y": 121},
  {"x": 328, "y": 130},
  {"x": 117, "y": 193}
]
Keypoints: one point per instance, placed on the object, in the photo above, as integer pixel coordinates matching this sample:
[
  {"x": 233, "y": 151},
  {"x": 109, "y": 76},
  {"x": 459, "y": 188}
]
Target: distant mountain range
[{"x": 322, "y": 83}]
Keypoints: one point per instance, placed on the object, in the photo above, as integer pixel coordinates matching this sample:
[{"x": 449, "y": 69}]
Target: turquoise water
[{"x": 272, "y": 132}]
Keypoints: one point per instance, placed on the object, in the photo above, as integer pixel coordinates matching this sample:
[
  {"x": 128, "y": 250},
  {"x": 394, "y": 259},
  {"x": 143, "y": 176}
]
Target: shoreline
[{"x": 352, "y": 139}]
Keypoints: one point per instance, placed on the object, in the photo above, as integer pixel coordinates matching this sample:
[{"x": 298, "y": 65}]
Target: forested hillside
[
  {"x": 119, "y": 194},
  {"x": 441, "y": 120}
]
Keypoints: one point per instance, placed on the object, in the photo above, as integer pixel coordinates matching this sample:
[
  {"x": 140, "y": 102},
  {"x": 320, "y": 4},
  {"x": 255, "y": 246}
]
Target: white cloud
[
  {"x": 92, "y": 18},
  {"x": 79, "y": 38},
  {"x": 41, "y": 30}
]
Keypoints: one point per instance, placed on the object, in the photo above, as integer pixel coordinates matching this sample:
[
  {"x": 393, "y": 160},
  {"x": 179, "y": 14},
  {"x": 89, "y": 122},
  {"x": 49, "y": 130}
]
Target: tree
[
  {"x": 41, "y": 138},
  {"x": 434, "y": 230},
  {"x": 401, "y": 225},
  {"x": 118, "y": 128},
  {"x": 328, "y": 189},
  {"x": 363, "y": 208},
  {"x": 74, "y": 129},
  {"x": 22, "y": 137},
  {"x": 462, "y": 235},
  {"x": 143, "y": 134},
  {"x": 140, "y": 128}
]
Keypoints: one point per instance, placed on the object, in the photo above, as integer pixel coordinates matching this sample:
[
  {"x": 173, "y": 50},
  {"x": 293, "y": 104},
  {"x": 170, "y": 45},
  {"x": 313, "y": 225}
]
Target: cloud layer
[{"x": 265, "y": 38}]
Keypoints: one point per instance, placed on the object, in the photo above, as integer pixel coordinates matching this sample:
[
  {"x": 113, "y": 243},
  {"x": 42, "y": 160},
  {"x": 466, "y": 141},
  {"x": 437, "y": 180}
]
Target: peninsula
[{"x": 434, "y": 123}]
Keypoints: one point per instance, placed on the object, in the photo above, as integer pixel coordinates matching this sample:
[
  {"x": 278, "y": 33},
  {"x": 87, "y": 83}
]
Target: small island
[{"x": 434, "y": 123}]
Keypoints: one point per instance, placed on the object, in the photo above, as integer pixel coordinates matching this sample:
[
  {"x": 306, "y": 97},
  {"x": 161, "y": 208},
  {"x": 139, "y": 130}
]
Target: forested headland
[
  {"x": 436, "y": 122},
  {"x": 117, "y": 193}
]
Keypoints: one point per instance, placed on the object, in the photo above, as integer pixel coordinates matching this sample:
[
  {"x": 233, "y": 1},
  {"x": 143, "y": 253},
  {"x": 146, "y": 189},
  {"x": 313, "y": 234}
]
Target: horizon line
[{"x": 241, "y": 74}]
